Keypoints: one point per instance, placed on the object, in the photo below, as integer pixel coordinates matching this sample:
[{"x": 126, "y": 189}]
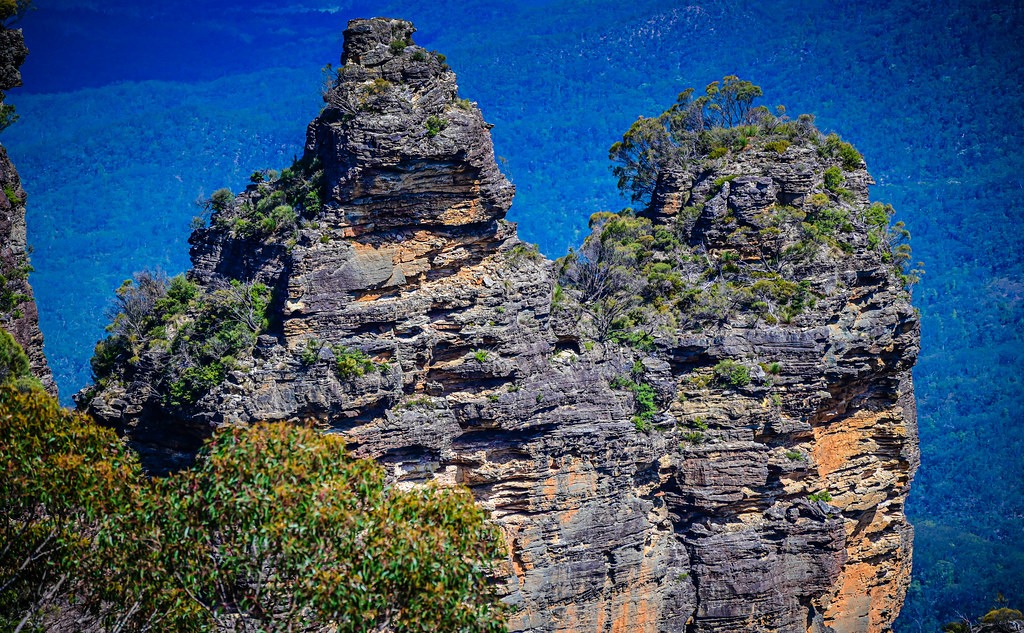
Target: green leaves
[
  {"x": 274, "y": 529},
  {"x": 690, "y": 129},
  {"x": 286, "y": 532}
]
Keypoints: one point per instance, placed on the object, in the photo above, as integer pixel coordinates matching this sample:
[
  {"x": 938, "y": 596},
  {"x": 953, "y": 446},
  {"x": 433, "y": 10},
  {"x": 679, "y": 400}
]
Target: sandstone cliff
[
  {"x": 18, "y": 314},
  {"x": 703, "y": 421}
]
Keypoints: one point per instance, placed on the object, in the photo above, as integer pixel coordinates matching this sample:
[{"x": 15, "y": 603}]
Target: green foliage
[
  {"x": 721, "y": 180},
  {"x": 638, "y": 340},
  {"x": 693, "y": 437},
  {"x": 274, "y": 527},
  {"x": 796, "y": 456},
  {"x": 643, "y": 400},
  {"x": 824, "y": 495},
  {"x": 699, "y": 423},
  {"x": 645, "y": 149},
  {"x": 480, "y": 355},
  {"x": 14, "y": 271},
  {"x": 423, "y": 402},
  {"x": 8, "y": 116},
  {"x": 1002, "y": 614},
  {"x": 728, "y": 103},
  {"x": 274, "y": 206},
  {"x": 729, "y": 372},
  {"x": 397, "y": 47},
  {"x": 378, "y": 86},
  {"x": 435, "y": 125},
  {"x": 350, "y": 363},
  {"x": 13, "y": 10},
  {"x": 310, "y": 352},
  {"x": 708, "y": 125},
  {"x": 222, "y": 199},
  {"x": 177, "y": 297},
  {"x": 522, "y": 251},
  {"x": 206, "y": 329},
  {"x": 833, "y": 178},
  {"x": 194, "y": 383},
  {"x": 834, "y": 147},
  {"x": 15, "y": 367},
  {"x": 64, "y": 481}
]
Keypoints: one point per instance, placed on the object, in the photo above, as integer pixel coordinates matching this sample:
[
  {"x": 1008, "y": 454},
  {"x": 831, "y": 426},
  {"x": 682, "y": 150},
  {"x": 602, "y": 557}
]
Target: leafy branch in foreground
[{"x": 274, "y": 529}]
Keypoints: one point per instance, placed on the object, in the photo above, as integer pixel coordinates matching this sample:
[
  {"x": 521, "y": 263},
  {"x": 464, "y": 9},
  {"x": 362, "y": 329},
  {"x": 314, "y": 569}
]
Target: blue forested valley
[{"x": 131, "y": 112}]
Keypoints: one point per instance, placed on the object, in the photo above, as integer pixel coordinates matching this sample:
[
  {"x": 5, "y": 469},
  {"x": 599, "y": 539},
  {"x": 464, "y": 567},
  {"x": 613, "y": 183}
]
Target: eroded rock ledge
[{"x": 711, "y": 515}]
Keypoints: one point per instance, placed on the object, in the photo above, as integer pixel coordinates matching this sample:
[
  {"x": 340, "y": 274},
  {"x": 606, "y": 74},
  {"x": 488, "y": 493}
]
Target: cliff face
[
  {"x": 727, "y": 470},
  {"x": 18, "y": 314}
]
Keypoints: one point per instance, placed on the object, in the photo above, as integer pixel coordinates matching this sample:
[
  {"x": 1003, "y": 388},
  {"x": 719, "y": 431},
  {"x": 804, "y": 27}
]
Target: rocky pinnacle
[{"x": 715, "y": 519}]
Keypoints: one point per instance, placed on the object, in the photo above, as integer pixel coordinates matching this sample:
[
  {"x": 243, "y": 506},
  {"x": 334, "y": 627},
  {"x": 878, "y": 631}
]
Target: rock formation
[
  {"x": 18, "y": 314},
  {"x": 737, "y": 461}
]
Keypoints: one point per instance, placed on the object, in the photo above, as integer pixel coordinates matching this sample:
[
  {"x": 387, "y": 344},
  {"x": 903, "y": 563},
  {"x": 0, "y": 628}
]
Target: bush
[
  {"x": 833, "y": 178},
  {"x": 398, "y": 46},
  {"x": 13, "y": 271},
  {"x": 378, "y": 86},
  {"x": 834, "y": 147},
  {"x": 63, "y": 479},
  {"x": 824, "y": 495},
  {"x": 8, "y": 116},
  {"x": 274, "y": 527},
  {"x": 731, "y": 373},
  {"x": 15, "y": 368},
  {"x": 222, "y": 199},
  {"x": 1002, "y": 615},
  {"x": 194, "y": 383},
  {"x": 691, "y": 128},
  {"x": 435, "y": 125},
  {"x": 350, "y": 363},
  {"x": 778, "y": 146},
  {"x": 643, "y": 401}
]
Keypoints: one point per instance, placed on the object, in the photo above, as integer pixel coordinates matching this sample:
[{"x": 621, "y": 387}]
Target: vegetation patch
[
  {"x": 732, "y": 374},
  {"x": 274, "y": 526},
  {"x": 198, "y": 331}
]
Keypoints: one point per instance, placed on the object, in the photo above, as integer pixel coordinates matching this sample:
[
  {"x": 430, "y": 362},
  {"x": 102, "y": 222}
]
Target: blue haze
[{"x": 130, "y": 111}]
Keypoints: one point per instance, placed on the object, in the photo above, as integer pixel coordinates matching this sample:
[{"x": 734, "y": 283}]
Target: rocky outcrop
[
  {"x": 18, "y": 314},
  {"x": 710, "y": 469}
]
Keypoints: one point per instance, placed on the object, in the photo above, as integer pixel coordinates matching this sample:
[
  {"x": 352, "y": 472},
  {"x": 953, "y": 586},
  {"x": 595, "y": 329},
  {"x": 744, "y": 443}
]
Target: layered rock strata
[
  {"x": 18, "y": 313},
  {"x": 772, "y": 502}
]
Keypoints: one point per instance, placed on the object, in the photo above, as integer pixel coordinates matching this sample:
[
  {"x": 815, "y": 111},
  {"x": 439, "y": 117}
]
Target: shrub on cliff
[
  {"x": 14, "y": 270},
  {"x": 12, "y": 10},
  {"x": 690, "y": 128},
  {"x": 197, "y": 331},
  {"x": 274, "y": 529},
  {"x": 15, "y": 369}
]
